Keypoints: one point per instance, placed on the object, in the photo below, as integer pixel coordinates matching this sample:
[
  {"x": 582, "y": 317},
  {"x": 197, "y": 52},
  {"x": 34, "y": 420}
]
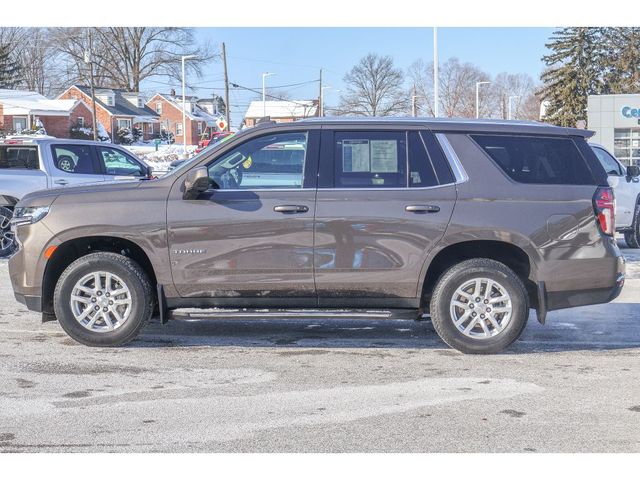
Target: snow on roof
[
  {"x": 282, "y": 109},
  {"x": 22, "y": 102},
  {"x": 197, "y": 112}
]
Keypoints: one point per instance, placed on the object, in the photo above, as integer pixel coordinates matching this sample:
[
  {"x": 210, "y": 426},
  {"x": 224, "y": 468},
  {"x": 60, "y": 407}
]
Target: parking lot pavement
[{"x": 323, "y": 384}]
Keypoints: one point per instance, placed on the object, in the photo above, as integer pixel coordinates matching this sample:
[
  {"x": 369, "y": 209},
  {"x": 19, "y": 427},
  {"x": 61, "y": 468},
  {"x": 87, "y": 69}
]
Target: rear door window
[
  {"x": 370, "y": 159},
  {"x": 74, "y": 159},
  {"x": 536, "y": 159},
  {"x": 19, "y": 158}
]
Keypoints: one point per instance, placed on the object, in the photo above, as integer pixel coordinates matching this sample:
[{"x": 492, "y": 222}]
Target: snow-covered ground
[{"x": 159, "y": 160}]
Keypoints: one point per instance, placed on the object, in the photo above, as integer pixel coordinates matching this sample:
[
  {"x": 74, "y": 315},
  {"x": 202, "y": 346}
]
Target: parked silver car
[{"x": 28, "y": 164}]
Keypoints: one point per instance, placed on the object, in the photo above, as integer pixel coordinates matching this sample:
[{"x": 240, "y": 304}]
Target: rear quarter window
[
  {"x": 538, "y": 160},
  {"x": 19, "y": 158}
]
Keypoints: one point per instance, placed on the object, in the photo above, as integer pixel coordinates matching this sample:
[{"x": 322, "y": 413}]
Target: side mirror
[
  {"x": 149, "y": 172},
  {"x": 197, "y": 182},
  {"x": 633, "y": 171}
]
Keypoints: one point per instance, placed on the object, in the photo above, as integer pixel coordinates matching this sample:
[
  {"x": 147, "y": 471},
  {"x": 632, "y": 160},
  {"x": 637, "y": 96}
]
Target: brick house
[
  {"x": 199, "y": 122},
  {"x": 118, "y": 109},
  {"x": 280, "y": 111},
  {"x": 22, "y": 110}
]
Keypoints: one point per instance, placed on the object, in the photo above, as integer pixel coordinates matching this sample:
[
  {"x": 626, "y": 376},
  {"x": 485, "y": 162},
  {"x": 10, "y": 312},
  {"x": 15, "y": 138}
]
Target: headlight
[{"x": 28, "y": 215}]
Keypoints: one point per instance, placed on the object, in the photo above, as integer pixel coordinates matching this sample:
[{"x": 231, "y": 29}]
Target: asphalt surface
[{"x": 323, "y": 384}]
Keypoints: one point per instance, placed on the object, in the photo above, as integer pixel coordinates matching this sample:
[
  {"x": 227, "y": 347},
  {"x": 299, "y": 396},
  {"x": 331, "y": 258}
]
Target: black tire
[
  {"x": 632, "y": 236},
  {"x": 142, "y": 298},
  {"x": 7, "y": 241},
  {"x": 456, "y": 277}
]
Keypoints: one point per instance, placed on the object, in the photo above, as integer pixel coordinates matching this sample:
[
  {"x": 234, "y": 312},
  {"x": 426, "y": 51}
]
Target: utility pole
[
  {"x": 414, "y": 109},
  {"x": 226, "y": 88},
  {"x": 93, "y": 89},
  {"x": 436, "y": 82},
  {"x": 321, "y": 97}
]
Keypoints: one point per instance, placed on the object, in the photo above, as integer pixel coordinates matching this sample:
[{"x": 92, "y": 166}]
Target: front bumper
[
  {"x": 32, "y": 302},
  {"x": 27, "y": 264}
]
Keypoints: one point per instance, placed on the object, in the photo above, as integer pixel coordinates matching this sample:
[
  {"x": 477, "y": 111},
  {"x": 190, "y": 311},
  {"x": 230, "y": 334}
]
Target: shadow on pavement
[{"x": 597, "y": 328}]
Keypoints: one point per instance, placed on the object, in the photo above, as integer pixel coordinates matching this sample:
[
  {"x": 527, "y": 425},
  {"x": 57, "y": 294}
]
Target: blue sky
[{"x": 296, "y": 54}]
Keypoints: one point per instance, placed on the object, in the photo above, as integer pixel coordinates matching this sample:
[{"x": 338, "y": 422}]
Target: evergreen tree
[
  {"x": 622, "y": 62},
  {"x": 9, "y": 69},
  {"x": 222, "y": 108},
  {"x": 575, "y": 71}
]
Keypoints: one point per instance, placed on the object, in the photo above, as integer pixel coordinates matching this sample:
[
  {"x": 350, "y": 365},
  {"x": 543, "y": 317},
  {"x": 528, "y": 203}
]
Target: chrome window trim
[
  {"x": 452, "y": 157},
  {"x": 363, "y": 189}
]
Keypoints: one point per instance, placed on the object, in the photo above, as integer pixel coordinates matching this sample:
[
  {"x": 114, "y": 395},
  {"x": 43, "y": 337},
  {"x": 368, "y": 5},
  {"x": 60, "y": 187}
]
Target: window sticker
[
  {"x": 355, "y": 156},
  {"x": 384, "y": 156}
]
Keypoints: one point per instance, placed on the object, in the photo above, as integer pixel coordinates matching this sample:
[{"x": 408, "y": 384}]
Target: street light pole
[
  {"x": 478, "y": 97},
  {"x": 322, "y": 99},
  {"x": 264, "y": 93},
  {"x": 509, "y": 117},
  {"x": 436, "y": 83},
  {"x": 184, "y": 105}
]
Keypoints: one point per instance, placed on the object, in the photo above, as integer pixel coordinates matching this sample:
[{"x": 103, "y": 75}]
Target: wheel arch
[
  {"x": 513, "y": 256},
  {"x": 70, "y": 250}
]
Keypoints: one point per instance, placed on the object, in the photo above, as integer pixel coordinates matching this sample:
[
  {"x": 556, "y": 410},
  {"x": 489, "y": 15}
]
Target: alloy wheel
[
  {"x": 101, "y": 302},
  {"x": 481, "y": 308}
]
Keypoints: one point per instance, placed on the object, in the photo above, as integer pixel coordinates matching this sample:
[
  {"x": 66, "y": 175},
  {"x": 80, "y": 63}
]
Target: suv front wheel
[
  {"x": 479, "y": 306},
  {"x": 103, "y": 299}
]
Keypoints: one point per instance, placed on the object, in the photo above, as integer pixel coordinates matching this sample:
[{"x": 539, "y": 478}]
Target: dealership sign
[{"x": 629, "y": 112}]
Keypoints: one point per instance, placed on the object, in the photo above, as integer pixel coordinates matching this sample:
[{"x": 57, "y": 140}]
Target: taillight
[{"x": 604, "y": 206}]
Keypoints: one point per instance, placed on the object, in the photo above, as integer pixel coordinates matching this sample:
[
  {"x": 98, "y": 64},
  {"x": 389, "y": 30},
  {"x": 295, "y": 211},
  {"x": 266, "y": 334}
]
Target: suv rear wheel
[
  {"x": 103, "y": 299},
  {"x": 632, "y": 236},
  {"x": 479, "y": 306},
  {"x": 7, "y": 240}
]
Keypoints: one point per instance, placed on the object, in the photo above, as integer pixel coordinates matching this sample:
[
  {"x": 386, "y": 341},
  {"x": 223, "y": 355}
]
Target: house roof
[
  {"x": 198, "y": 113},
  {"x": 282, "y": 109},
  {"x": 23, "y": 102},
  {"x": 122, "y": 106}
]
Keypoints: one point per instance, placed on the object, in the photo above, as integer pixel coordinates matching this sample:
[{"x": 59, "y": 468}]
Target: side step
[{"x": 213, "y": 313}]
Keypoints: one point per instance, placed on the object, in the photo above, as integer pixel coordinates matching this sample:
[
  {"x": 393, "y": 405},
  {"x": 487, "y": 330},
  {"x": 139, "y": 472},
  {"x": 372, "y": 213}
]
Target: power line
[{"x": 269, "y": 95}]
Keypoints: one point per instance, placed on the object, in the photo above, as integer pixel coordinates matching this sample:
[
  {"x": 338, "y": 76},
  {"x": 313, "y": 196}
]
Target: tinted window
[
  {"x": 611, "y": 166},
  {"x": 370, "y": 159},
  {"x": 421, "y": 171},
  {"x": 542, "y": 160},
  {"x": 116, "y": 162},
  {"x": 19, "y": 158},
  {"x": 439, "y": 161},
  {"x": 74, "y": 159},
  {"x": 271, "y": 161}
]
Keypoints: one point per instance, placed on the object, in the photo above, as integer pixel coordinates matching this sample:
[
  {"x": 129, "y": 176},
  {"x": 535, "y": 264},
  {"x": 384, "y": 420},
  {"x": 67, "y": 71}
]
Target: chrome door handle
[
  {"x": 422, "y": 208},
  {"x": 61, "y": 182},
  {"x": 291, "y": 208}
]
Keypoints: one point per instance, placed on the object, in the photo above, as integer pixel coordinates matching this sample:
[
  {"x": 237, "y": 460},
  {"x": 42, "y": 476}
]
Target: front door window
[{"x": 268, "y": 162}]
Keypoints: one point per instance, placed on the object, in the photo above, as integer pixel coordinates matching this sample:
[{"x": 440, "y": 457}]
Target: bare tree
[
  {"x": 124, "y": 57},
  {"x": 374, "y": 88},
  {"x": 457, "y": 88},
  {"x": 38, "y": 61},
  {"x": 521, "y": 88}
]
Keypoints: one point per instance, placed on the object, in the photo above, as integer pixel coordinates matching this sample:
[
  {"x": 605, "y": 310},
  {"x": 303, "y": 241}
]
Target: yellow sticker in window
[{"x": 247, "y": 163}]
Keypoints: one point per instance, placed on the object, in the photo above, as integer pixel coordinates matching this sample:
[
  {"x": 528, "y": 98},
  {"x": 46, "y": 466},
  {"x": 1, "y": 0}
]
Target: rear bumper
[{"x": 579, "y": 298}]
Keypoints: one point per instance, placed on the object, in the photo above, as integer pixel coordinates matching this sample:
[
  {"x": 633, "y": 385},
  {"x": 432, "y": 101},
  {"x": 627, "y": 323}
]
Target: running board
[{"x": 213, "y": 313}]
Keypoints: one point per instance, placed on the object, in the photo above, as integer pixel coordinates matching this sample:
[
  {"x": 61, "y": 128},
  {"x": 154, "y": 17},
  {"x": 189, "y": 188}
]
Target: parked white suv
[
  {"x": 626, "y": 187},
  {"x": 28, "y": 164}
]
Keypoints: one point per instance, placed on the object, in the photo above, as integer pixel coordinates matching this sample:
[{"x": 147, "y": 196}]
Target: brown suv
[{"x": 472, "y": 222}]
